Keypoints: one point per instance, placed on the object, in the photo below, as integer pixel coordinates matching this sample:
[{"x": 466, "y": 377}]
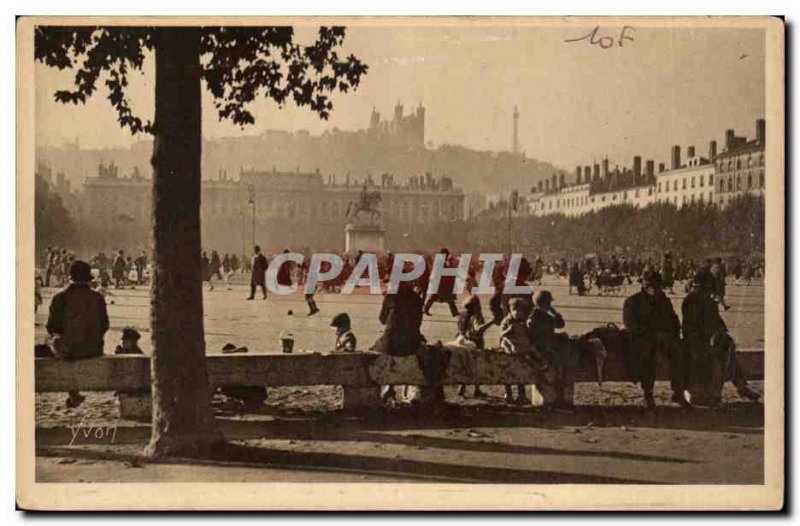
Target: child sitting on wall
[
  {"x": 345, "y": 338},
  {"x": 129, "y": 343}
]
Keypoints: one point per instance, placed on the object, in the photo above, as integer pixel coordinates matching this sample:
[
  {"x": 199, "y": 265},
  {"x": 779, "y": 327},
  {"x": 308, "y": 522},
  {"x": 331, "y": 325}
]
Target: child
[
  {"x": 471, "y": 327},
  {"x": 345, "y": 339},
  {"x": 130, "y": 342},
  {"x": 557, "y": 386},
  {"x": 515, "y": 339},
  {"x": 133, "y": 276}
]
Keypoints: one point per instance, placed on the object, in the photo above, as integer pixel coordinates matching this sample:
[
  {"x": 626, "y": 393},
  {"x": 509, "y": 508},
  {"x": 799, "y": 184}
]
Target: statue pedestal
[{"x": 367, "y": 238}]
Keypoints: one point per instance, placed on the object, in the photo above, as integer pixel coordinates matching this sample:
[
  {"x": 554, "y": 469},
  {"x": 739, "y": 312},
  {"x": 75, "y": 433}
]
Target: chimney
[
  {"x": 712, "y": 150},
  {"x": 578, "y": 175},
  {"x": 637, "y": 167},
  {"x": 761, "y": 132},
  {"x": 690, "y": 152},
  {"x": 660, "y": 167},
  {"x": 729, "y": 136},
  {"x": 561, "y": 181},
  {"x": 555, "y": 182},
  {"x": 676, "y": 157},
  {"x": 596, "y": 175},
  {"x": 605, "y": 168},
  {"x": 587, "y": 174},
  {"x": 649, "y": 169}
]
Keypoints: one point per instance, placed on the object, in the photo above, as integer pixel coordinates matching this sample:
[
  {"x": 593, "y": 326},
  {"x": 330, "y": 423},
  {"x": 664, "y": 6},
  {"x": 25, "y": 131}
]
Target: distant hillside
[{"x": 336, "y": 153}]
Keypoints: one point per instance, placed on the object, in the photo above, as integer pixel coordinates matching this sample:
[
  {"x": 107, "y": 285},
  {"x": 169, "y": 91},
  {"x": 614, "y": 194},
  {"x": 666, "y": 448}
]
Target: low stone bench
[{"x": 360, "y": 374}]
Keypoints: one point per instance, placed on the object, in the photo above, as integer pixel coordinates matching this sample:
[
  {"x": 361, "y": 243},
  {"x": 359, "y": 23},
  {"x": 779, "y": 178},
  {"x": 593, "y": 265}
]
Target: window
[
  {"x": 738, "y": 182},
  {"x": 730, "y": 185},
  {"x": 761, "y": 179},
  {"x": 730, "y": 165},
  {"x": 683, "y": 185},
  {"x": 659, "y": 187},
  {"x": 692, "y": 181},
  {"x": 675, "y": 185},
  {"x": 761, "y": 160},
  {"x": 738, "y": 164},
  {"x": 710, "y": 180},
  {"x": 749, "y": 181}
]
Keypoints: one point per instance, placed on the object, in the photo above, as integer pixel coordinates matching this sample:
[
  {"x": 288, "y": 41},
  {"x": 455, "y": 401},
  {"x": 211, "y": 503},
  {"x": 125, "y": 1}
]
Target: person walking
[{"x": 258, "y": 276}]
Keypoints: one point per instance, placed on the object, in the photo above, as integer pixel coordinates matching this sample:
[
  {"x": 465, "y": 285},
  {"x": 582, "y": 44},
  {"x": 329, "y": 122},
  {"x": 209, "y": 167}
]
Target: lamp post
[
  {"x": 512, "y": 207},
  {"x": 252, "y": 193},
  {"x": 244, "y": 236}
]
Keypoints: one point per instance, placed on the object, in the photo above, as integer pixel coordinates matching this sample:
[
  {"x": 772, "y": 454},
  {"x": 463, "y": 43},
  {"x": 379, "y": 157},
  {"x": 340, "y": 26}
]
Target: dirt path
[{"x": 473, "y": 441}]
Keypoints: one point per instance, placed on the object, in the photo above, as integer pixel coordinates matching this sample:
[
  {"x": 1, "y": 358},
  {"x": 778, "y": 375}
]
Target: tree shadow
[
  {"x": 234, "y": 455},
  {"x": 739, "y": 417}
]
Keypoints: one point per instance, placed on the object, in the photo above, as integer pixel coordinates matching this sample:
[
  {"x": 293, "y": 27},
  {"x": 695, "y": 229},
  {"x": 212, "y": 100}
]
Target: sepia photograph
[{"x": 424, "y": 263}]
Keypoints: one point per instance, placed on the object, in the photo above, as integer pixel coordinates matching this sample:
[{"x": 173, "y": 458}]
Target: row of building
[
  {"x": 305, "y": 198},
  {"x": 715, "y": 178}
]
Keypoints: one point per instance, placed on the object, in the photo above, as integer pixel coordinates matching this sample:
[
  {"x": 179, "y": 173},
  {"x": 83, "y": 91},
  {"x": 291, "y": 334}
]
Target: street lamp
[
  {"x": 252, "y": 200},
  {"x": 244, "y": 235}
]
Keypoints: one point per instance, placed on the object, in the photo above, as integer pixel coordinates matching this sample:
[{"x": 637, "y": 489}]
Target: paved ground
[{"x": 258, "y": 324}]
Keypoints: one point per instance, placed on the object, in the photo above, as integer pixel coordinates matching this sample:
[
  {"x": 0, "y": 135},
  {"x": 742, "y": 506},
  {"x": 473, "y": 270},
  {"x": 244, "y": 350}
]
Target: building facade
[
  {"x": 287, "y": 207},
  {"x": 717, "y": 178},
  {"x": 741, "y": 166}
]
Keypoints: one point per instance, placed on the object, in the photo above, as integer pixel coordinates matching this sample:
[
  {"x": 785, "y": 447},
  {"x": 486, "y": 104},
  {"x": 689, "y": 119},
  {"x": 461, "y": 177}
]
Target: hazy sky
[{"x": 577, "y": 101}]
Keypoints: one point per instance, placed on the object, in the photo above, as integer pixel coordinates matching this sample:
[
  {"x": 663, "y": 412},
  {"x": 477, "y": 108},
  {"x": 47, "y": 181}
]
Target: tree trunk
[{"x": 183, "y": 423}]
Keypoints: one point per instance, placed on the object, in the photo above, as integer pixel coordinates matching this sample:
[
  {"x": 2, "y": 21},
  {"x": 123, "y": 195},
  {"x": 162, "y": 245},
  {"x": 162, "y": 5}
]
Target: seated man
[
  {"x": 557, "y": 387},
  {"x": 713, "y": 352},
  {"x": 78, "y": 321}
]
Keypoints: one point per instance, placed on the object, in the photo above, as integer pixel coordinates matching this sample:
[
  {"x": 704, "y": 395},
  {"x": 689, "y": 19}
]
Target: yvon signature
[{"x": 94, "y": 433}]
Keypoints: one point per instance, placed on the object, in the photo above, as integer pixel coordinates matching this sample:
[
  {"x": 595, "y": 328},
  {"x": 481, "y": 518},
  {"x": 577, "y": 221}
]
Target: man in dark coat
[
  {"x": 118, "y": 270},
  {"x": 713, "y": 353},
  {"x": 655, "y": 328},
  {"x": 258, "y": 276},
  {"x": 446, "y": 293},
  {"x": 78, "y": 320},
  {"x": 401, "y": 316}
]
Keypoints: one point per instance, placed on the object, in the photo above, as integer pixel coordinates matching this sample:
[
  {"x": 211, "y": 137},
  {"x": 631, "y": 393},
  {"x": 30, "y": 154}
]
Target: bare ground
[{"x": 469, "y": 441}]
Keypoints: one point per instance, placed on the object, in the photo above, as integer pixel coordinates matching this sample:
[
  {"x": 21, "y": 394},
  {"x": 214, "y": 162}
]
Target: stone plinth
[{"x": 367, "y": 238}]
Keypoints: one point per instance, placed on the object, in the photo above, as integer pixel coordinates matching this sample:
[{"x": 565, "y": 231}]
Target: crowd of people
[
  {"x": 700, "y": 350},
  {"x": 612, "y": 273}
]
